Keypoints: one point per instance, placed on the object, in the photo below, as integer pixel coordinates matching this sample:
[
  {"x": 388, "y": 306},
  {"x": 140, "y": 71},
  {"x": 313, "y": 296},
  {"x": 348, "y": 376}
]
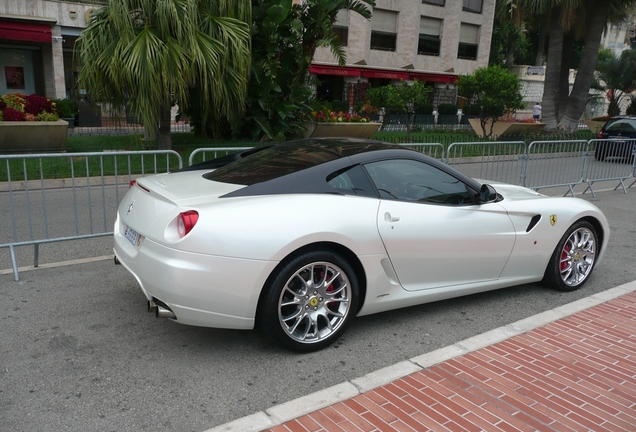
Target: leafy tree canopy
[
  {"x": 615, "y": 76},
  {"x": 284, "y": 39},
  {"x": 492, "y": 91},
  {"x": 148, "y": 54}
]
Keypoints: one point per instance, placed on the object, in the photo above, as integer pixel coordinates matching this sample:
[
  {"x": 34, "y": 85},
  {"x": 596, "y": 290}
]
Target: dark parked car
[{"x": 620, "y": 131}]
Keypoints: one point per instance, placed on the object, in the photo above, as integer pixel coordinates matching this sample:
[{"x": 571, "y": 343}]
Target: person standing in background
[{"x": 536, "y": 111}]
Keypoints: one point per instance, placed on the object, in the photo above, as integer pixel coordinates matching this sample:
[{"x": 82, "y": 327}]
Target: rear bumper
[{"x": 201, "y": 290}]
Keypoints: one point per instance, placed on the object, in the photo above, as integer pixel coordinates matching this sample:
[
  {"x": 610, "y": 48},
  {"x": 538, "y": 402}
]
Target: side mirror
[{"x": 487, "y": 193}]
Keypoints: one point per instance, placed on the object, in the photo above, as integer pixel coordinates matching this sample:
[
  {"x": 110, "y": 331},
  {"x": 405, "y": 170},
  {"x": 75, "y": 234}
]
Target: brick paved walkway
[
  {"x": 569, "y": 369},
  {"x": 574, "y": 374}
]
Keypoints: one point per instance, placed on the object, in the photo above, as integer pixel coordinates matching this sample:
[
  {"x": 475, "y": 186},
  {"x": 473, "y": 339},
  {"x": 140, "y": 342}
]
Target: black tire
[
  {"x": 573, "y": 259},
  {"x": 600, "y": 152},
  {"x": 310, "y": 301}
]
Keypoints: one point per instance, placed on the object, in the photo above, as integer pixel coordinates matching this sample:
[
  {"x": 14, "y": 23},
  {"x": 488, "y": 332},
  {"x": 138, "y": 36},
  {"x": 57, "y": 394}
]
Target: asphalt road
[{"x": 78, "y": 352}]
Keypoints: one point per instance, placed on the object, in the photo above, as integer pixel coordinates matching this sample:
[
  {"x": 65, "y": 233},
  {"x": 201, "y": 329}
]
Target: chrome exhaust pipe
[
  {"x": 152, "y": 306},
  {"x": 164, "y": 312}
]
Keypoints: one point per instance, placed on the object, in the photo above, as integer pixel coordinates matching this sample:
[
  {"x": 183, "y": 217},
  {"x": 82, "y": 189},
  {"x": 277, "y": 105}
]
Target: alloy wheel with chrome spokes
[
  {"x": 573, "y": 259},
  {"x": 314, "y": 296}
]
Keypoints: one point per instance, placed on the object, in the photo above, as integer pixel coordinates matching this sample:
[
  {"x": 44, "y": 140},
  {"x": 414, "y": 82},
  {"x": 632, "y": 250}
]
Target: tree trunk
[
  {"x": 165, "y": 138},
  {"x": 552, "y": 72},
  {"x": 585, "y": 73},
  {"x": 564, "y": 75},
  {"x": 538, "y": 59}
]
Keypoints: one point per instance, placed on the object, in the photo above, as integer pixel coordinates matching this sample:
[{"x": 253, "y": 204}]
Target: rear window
[
  {"x": 621, "y": 125},
  {"x": 286, "y": 159}
]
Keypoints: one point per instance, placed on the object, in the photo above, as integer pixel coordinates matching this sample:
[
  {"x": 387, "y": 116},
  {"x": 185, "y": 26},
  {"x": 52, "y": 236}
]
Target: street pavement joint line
[
  {"x": 59, "y": 264},
  {"x": 284, "y": 412}
]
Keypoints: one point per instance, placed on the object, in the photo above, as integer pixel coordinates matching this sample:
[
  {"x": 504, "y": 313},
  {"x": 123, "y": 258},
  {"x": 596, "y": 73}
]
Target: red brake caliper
[{"x": 564, "y": 255}]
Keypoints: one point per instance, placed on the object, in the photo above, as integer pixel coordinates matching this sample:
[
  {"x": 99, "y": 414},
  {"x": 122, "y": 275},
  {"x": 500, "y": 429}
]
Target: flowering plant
[
  {"x": 328, "y": 116},
  {"x": 20, "y": 107},
  {"x": 516, "y": 120}
]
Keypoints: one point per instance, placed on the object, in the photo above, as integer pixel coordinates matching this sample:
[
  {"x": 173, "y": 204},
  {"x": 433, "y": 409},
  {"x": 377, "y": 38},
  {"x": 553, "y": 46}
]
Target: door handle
[{"x": 388, "y": 217}]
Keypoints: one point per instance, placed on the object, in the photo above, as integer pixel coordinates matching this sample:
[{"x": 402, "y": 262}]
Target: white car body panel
[{"x": 214, "y": 275}]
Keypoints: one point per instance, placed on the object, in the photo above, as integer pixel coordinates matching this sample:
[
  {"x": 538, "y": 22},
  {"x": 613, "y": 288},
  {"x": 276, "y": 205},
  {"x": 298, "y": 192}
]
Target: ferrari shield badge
[{"x": 553, "y": 219}]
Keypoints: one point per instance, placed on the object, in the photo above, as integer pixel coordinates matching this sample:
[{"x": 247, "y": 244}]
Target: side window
[
  {"x": 352, "y": 181},
  {"x": 408, "y": 180}
]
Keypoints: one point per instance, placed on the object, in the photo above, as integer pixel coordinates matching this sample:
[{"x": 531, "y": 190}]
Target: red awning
[
  {"x": 381, "y": 73},
  {"x": 22, "y": 31},
  {"x": 385, "y": 74},
  {"x": 430, "y": 77},
  {"x": 334, "y": 70}
]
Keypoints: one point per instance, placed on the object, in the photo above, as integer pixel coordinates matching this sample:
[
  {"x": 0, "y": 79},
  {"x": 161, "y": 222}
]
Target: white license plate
[{"x": 133, "y": 236}]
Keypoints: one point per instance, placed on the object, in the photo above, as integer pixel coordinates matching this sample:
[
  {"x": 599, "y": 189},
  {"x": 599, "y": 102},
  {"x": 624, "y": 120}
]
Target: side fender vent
[{"x": 533, "y": 222}]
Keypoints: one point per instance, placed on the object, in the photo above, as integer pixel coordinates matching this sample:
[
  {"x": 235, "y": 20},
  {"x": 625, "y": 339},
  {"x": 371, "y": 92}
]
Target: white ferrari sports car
[{"x": 299, "y": 238}]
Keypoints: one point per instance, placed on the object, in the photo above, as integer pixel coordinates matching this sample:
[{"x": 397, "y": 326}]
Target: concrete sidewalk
[{"x": 570, "y": 368}]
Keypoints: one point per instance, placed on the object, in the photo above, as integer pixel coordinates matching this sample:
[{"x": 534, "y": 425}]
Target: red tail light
[{"x": 186, "y": 221}]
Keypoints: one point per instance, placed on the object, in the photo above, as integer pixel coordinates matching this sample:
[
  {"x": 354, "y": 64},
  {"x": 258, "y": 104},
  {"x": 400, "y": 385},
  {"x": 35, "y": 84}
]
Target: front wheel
[
  {"x": 310, "y": 301},
  {"x": 573, "y": 259}
]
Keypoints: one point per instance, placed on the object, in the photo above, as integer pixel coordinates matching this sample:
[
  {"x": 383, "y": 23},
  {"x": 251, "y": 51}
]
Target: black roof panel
[{"x": 292, "y": 157}]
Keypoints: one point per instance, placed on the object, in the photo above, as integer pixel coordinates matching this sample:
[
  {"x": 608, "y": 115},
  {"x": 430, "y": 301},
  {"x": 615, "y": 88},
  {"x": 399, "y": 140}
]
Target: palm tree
[
  {"x": 569, "y": 19},
  {"x": 285, "y": 37},
  {"x": 615, "y": 77},
  {"x": 147, "y": 54}
]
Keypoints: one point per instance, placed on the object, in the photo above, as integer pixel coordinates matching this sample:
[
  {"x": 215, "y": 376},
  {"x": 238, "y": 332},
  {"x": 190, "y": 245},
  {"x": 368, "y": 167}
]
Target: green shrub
[
  {"x": 65, "y": 107},
  {"x": 339, "y": 105},
  {"x": 424, "y": 108},
  {"x": 447, "y": 109}
]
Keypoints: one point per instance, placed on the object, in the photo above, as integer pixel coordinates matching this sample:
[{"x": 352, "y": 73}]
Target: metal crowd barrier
[
  {"x": 614, "y": 167},
  {"x": 555, "y": 163},
  {"x": 495, "y": 161},
  {"x": 215, "y": 151},
  {"x": 94, "y": 183}
]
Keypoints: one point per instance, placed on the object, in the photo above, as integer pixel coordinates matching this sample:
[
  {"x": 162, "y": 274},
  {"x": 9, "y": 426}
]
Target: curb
[{"x": 279, "y": 414}]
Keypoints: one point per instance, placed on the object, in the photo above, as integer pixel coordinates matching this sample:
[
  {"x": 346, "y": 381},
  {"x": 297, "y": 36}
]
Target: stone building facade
[
  {"x": 36, "y": 45},
  {"x": 434, "y": 41}
]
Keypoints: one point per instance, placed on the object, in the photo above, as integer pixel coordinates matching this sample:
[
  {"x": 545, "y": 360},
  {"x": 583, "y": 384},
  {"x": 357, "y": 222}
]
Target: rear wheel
[
  {"x": 310, "y": 302},
  {"x": 573, "y": 259}
]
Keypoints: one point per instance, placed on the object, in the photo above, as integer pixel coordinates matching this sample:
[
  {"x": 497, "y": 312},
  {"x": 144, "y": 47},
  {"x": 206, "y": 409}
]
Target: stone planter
[
  {"x": 595, "y": 125},
  {"x": 502, "y": 128},
  {"x": 352, "y": 130},
  {"x": 23, "y": 136}
]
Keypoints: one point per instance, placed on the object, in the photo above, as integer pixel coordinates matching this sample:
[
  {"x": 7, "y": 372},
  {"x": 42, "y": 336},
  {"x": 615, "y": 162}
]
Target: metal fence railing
[
  {"x": 93, "y": 182},
  {"x": 496, "y": 161},
  {"x": 555, "y": 163},
  {"x": 201, "y": 154}
]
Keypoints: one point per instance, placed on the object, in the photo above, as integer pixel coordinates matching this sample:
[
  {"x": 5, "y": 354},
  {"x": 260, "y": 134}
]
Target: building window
[
  {"x": 341, "y": 26},
  {"x": 468, "y": 42},
  {"x": 473, "y": 5},
  {"x": 430, "y": 36},
  {"x": 384, "y": 30},
  {"x": 435, "y": 2}
]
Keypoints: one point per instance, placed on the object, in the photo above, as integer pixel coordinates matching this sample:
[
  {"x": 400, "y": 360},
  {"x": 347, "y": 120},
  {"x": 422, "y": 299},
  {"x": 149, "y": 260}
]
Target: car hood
[{"x": 513, "y": 192}]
